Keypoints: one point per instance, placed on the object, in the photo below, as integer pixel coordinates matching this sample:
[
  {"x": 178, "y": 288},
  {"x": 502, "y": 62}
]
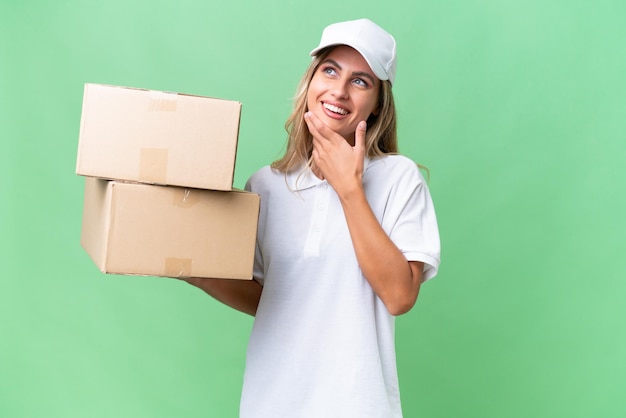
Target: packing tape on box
[
  {"x": 161, "y": 101},
  {"x": 153, "y": 165},
  {"x": 186, "y": 198},
  {"x": 177, "y": 267}
]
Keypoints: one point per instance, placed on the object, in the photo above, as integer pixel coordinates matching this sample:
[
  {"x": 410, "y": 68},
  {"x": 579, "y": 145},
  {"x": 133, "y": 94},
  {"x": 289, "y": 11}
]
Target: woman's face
[{"x": 343, "y": 91}]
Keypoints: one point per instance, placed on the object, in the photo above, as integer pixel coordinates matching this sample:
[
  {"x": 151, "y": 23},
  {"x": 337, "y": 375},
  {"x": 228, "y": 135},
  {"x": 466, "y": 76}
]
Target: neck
[{"x": 318, "y": 173}]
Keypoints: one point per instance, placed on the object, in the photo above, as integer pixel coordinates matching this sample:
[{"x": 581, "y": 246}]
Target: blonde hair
[{"x": 380, "y": 139}]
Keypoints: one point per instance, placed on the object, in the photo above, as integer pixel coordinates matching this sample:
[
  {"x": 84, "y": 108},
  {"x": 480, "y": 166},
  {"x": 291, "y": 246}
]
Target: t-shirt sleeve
[{"x": 410, "y": 219}]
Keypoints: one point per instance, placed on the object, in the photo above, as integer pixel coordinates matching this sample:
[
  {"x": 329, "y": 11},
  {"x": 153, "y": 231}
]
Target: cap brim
[{"x": 378, "y": 69}]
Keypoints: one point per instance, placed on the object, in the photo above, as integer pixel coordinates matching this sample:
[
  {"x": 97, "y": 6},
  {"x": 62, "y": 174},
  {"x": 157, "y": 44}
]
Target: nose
[{"x": 340, "y": 89}]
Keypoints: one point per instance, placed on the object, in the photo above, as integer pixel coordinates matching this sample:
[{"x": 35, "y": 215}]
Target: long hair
[{"x": 380, "y": 139}]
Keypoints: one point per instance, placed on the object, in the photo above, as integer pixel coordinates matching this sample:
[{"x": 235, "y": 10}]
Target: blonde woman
[{"x": 347, "y": 234}]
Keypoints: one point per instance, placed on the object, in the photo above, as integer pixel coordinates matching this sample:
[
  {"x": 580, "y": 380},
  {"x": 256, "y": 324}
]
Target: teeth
[{"x": 335, "y": 109}]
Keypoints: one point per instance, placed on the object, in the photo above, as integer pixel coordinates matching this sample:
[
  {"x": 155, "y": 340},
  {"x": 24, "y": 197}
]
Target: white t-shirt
[{"x": 322, "y": 343}]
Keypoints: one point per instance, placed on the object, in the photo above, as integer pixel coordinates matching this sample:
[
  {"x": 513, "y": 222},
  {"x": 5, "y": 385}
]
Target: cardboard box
[
  {"x": 158, "y": 137},
  {"x": 139, "y": 229}
]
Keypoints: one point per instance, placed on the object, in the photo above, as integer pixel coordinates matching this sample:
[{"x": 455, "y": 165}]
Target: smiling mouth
[{"x": 335, "y": 109}]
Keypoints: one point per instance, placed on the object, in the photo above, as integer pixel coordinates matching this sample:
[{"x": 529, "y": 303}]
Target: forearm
[
  {"x": 242, "y": 295},
  {"x": 392, "y": 277},
  {"x": 395, "y": 280}
]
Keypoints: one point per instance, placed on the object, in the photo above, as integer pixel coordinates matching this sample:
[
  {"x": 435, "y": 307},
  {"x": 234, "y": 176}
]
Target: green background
[{"x": 518, "y": 109}]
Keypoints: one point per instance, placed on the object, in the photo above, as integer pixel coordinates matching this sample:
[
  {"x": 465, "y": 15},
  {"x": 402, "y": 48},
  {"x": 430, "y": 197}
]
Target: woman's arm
[
  {"x": 395, "y": 280},
  {"x": 242, "y": 295}
]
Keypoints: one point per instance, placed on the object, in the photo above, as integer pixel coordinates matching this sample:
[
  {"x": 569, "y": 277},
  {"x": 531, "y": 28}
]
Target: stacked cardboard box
[{"x": 159, "y": 171}]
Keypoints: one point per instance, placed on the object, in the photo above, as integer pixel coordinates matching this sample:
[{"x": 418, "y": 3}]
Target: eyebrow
[{"x": 354, "y": 73}]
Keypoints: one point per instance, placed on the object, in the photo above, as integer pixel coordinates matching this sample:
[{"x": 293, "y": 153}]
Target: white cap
[{"x": 375, "y": 45}]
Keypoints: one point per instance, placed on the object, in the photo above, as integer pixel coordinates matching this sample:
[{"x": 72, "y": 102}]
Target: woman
[{"x": 347, "y": 234}]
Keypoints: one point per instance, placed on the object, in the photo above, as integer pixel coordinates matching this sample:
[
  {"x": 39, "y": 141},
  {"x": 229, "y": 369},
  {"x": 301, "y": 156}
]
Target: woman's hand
[{"x": 334, "y": 158}]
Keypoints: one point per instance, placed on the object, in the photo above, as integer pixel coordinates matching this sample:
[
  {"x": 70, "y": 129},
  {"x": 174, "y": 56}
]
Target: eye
[
  {"x": 360, "y": 82},
  {"x": 329, "y": 70}
]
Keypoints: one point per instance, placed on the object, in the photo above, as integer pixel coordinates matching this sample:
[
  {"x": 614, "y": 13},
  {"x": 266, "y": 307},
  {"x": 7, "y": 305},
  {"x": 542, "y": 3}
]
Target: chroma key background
[{"x": 516, "y": 107}]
